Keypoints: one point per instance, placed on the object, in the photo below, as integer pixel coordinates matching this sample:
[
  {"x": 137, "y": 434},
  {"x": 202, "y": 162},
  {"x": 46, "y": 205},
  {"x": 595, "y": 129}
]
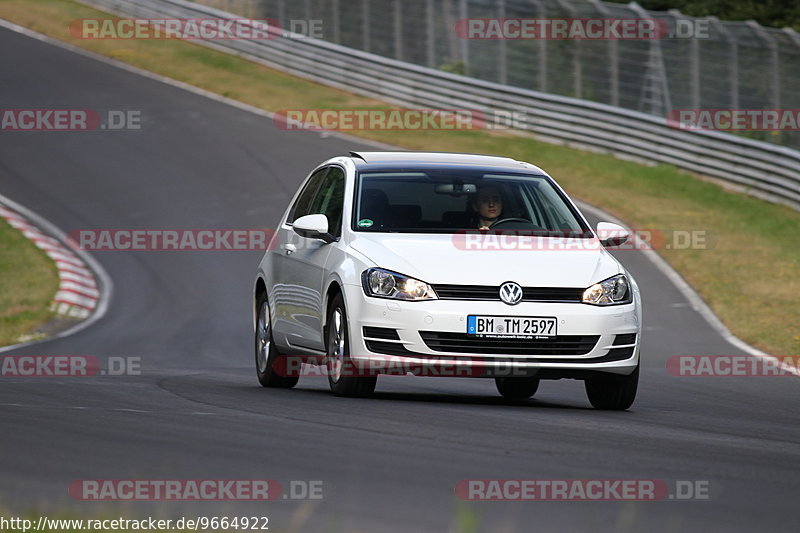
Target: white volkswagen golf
[{"x": 449, "y": 265}]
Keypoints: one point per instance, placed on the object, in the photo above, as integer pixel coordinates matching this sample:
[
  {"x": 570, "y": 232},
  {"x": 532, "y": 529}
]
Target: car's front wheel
[
  {"x": 517, "y": 388},
  {"x": 266, "y": 353},
  {"x": 613, "y": 392},
  {"x": 342, "y": 374}
]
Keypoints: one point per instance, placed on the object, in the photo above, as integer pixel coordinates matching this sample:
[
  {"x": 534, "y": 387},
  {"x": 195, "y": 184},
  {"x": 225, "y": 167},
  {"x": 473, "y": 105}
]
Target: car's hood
[{"x": 446, "y": 259}]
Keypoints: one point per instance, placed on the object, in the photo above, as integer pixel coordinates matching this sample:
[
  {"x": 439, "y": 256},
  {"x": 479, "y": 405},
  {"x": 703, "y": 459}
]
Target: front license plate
[{"x": 514, "y": 327}]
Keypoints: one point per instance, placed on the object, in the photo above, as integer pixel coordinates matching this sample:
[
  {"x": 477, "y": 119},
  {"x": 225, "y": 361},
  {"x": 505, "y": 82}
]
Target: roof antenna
[{"x": 356, "y": 154}]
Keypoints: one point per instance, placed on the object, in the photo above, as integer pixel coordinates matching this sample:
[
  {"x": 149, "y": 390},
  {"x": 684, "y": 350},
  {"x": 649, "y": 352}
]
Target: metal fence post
[
  {"x": 795, "y": 37},
  {"x": 656, "y": 76},
  {"x": 775, "y": 76},
  {"x": 397, "y": 29},
  {"x": 733, "y": 62},
  {"x": 463, "y": 14},
  {"x": 613, "y": 58},
  {"x": 502, "y": 63},
  {"x": 541, "y": 13},
  {"x": 282, "y": 14},
  {"x": 577, "y": 66},
  {"x": 337, "y": 35},
  {"x": 365, "y": 24},
  {"x": 430, "y": 40},
  {"x": 694, "y": 63}
]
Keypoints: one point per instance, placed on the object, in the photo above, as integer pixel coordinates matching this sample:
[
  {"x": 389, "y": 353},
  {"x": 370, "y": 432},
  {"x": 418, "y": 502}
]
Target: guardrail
[{"x": 758, "y": 168}]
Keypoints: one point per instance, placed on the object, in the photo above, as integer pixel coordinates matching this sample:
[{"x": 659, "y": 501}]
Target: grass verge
[
  {"x": 28, "y": 281},
  {"x": 748, "y": 272}
]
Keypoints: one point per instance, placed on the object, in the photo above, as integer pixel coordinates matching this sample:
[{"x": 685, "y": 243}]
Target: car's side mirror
[
  {"x": 611, "y": 234},
  {"x": 313, "y": 227}
]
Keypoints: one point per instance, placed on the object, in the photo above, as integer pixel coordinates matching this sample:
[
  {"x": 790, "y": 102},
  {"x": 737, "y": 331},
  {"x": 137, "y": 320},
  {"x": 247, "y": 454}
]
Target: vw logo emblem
[{"x": 511, "y": 293}]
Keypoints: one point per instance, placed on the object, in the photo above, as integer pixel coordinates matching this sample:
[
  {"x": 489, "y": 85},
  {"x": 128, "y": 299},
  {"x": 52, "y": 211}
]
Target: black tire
[
  {"x": 338, "y": 356},
  {"x": 265, "y": 351},
  {"x": 613, "y": 392},
  {"x": 517, "y": 388}
]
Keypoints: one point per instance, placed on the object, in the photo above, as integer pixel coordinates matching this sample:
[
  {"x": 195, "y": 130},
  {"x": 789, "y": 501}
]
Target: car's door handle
[{"x": 289, "y": 248}]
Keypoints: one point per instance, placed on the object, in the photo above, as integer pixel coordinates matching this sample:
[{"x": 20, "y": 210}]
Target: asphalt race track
[{"x": 389, "y": 463}]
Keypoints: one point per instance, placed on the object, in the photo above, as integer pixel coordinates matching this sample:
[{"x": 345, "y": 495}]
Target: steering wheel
[{"x": 513, "y": 219}]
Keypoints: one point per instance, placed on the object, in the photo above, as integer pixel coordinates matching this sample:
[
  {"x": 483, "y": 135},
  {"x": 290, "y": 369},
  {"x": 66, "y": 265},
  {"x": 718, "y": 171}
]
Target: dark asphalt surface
[{"x": 389, "y": 463}]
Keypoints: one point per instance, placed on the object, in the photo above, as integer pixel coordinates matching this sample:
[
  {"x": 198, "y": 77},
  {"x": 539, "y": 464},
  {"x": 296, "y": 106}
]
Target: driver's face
[{"x": 489, "y": 203}]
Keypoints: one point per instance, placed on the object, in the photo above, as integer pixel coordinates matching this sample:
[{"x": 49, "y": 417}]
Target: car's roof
[{"x": 365, "y": 160}]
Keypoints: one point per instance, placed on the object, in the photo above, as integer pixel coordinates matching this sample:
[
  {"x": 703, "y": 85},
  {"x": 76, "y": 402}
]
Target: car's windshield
[{"x": 437, "y": 201}]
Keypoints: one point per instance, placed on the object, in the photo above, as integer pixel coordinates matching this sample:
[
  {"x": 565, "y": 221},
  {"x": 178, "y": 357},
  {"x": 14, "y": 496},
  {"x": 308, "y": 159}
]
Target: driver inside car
[{"x": 488, "y": 203}]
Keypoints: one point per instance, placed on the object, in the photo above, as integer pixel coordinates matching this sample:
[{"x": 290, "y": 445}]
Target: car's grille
[
  {"x": 490, "y": 292},
  {"x": 388, "y": 348},
  {"x": 621, "y": 353},
  {"x": 463, "y": 343},
  {"x": 625, "y": 338},
  {"x": 381, "y": 333}
]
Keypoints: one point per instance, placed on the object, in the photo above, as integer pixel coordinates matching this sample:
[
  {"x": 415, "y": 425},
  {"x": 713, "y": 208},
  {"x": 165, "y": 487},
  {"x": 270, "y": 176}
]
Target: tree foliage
[{"x": 775, "y": 13}]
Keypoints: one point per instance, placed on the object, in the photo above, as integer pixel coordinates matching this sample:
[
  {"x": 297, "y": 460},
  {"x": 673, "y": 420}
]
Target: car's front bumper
[{"x": 430, "y": 336}]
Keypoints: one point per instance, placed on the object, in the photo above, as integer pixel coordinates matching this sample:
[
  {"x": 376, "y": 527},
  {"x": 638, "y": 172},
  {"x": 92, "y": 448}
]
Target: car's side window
[
  {"x": 329, "y": 200},
  {"x": 302, "y": 206}
]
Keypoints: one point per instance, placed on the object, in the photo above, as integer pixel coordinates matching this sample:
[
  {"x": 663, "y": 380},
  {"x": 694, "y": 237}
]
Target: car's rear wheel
[
  {"x": 517, "y": 388},
  {"x": 342, "y": 374},
  {"x": 613, "y": 392},
  {"x": 266, "y": 353}
]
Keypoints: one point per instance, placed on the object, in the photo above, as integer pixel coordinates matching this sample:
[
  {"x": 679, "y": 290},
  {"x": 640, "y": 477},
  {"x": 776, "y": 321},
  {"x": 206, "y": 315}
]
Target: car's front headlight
[
  {"x": 386, "y": 284},
  {"x": 615, "y": 290}
]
